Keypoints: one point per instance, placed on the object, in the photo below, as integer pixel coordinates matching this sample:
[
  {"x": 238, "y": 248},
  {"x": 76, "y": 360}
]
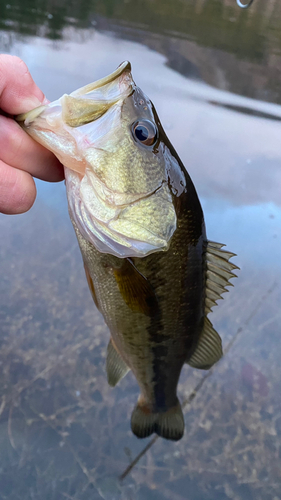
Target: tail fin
[{"x": 169, "y": 424}]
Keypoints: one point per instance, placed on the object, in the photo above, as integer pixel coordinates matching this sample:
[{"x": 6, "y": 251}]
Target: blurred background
[{"x": 213, "y": 73}]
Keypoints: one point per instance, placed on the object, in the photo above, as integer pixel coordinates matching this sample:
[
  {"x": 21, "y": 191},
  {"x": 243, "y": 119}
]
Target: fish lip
[
  {"x": 122, "y": 75},
  {"x": 124, "y": 67}
]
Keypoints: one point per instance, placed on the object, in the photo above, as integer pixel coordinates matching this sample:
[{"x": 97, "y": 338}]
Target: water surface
[{"x": 213, "y": 72}]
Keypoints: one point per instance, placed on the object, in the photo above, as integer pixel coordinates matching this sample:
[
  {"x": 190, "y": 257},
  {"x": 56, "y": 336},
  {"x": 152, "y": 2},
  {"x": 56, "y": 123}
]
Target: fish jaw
[{"x": 57, "y": 126}]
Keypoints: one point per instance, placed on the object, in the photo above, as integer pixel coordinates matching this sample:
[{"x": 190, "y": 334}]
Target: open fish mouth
[
  {"x": 74, "y": 123},
  {"x": 89, "y": 102},
  {"x": 116, "y": 183},
  {"x": 123, "y": 69}
]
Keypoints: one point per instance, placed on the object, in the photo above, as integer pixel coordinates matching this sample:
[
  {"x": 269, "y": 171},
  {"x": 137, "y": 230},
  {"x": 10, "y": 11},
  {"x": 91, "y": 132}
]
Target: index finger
[{"x": 18, "y": 91}]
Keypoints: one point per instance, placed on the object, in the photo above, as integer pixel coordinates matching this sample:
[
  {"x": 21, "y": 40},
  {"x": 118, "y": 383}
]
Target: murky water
[{"x": 213, "y": 72}]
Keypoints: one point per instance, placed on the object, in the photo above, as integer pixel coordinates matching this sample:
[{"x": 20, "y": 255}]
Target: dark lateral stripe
[{"x": 160, "y": 350}]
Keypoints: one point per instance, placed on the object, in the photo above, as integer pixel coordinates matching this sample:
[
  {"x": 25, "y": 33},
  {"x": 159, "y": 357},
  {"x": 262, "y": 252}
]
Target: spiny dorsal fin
[
  {"x": 209, "y": 348},
  {"x": 219, "y": 272},
  {"x": 116, "y": 368}
]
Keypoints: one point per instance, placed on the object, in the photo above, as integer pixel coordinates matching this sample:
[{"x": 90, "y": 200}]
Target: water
[{"x": 213, "y": 72}]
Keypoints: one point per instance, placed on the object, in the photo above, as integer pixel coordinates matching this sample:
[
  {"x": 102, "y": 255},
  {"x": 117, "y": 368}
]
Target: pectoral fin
[
  {"x": 116, "y": 368},
  {"x": 208, "y": 350},
  {"x": 135, "y": 289},
  {"x": 91, "y": 285}
]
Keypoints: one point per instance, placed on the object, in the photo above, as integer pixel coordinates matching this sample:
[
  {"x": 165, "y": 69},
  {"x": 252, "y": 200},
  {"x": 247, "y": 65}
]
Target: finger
[
  {"x": 18, "y": 91},
  {"x": 17, "y": 190},
  {"x": 20, "y": 151}
]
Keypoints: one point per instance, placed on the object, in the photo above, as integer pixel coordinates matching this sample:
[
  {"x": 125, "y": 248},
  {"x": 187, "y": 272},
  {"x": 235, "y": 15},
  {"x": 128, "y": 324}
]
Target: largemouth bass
[{"x": 150, "y": 268}]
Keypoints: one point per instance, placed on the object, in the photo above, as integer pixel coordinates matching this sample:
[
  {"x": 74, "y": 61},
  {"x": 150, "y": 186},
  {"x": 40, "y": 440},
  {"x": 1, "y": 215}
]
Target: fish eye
[{"x": 145, "y": 132}]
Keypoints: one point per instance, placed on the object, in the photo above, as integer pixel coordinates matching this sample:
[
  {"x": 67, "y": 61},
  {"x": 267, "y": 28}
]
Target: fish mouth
[
  {"x": 124, "y": 69},
  {"x": 83, "y": 129},
  {"x": 88, "y": 103},
  {"x": 91, "y": 102}
]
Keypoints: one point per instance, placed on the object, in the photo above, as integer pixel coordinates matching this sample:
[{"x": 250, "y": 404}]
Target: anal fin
[
  {"x": 116, "y": 368},
  {"x": 208, "y": 350}
]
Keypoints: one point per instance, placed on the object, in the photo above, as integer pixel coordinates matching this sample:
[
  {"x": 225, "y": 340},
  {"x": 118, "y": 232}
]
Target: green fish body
[{"x": 140, "y": 227}]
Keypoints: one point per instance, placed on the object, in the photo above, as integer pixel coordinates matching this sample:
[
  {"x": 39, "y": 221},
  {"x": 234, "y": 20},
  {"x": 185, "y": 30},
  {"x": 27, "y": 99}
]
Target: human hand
[{"x": 20, "y": 156}]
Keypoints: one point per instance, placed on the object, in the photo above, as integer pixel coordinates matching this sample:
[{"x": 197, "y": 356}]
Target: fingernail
[{"x": 33, "y": 102}]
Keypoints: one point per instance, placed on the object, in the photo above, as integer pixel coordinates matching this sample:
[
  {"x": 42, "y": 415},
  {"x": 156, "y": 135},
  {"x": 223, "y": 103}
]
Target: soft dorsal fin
[
  {"x": 116, "y": 368},
  {"x": 209, "y": 348},
  {"x": 219, "y": 272}
]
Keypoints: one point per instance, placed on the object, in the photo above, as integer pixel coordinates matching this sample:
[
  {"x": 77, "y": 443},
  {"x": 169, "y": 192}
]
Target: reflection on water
[
  {"x": 64, "y": 433},
  {"x": 226, "y": 46}
]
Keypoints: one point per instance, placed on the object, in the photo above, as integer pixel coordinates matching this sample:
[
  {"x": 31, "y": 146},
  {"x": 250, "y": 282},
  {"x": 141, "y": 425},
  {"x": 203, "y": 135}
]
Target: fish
[{"x": 139, "y": 223}]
